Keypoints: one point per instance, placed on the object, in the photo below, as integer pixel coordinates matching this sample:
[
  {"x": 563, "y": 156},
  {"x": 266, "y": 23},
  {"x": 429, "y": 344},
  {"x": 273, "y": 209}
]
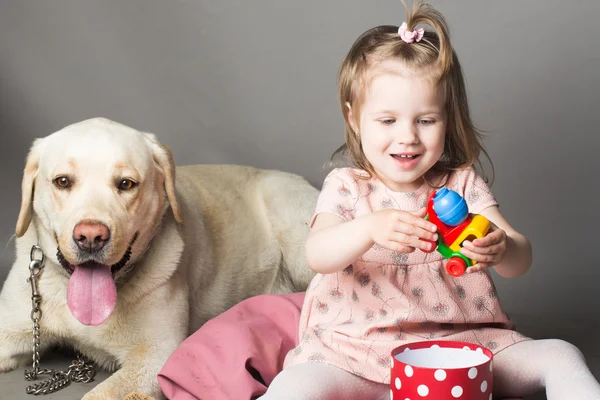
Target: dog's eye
[
  {"x": 62, "y": 182},
  {"x": 126, "y": 184}
]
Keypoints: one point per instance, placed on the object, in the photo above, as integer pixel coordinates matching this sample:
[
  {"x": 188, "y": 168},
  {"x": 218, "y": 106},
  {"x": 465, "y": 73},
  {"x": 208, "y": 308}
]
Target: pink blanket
[{"x": 237, "y": 354}]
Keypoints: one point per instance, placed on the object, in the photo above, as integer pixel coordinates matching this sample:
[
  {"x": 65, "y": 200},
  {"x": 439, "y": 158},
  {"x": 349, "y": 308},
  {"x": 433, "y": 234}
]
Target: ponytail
[{"x": 423, "y": 13}]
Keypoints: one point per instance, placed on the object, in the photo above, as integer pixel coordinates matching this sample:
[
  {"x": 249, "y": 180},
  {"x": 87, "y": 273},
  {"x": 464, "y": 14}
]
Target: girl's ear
[{"x": 351, "y": 119}]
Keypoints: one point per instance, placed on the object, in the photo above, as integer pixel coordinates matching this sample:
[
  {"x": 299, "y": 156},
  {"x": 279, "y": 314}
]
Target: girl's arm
[
  {"x": 333, "y": 243},
  {"x": 517, "y": 256}
]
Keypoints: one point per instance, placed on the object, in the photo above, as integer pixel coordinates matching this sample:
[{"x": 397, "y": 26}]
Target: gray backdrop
[{"x": 253, "y": 82}]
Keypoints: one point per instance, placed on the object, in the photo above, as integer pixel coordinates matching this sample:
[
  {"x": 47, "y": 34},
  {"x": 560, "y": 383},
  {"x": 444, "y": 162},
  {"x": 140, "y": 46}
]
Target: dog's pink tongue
[{"x": 91, "y": 294}]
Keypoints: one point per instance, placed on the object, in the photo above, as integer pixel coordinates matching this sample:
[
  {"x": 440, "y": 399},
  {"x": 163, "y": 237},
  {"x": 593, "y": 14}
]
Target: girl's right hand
[{"x": 402, "y": 231}]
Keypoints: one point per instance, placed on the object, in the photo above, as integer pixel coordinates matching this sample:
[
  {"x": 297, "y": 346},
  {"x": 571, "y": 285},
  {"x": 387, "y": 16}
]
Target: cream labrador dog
[{"x": 126, "y": 279}]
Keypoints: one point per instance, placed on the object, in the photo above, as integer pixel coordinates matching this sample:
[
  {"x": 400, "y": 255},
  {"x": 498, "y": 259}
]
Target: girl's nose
[{"x": 407, "y": 134}]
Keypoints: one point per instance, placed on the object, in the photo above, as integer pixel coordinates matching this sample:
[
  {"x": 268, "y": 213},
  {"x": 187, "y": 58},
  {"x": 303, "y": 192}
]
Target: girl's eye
[
  {"x": 62, "y": 182},
  {"x": 387, "y": 121},
  {"x": 426, "y": 122},
  {"x": 126, "y": 184}
]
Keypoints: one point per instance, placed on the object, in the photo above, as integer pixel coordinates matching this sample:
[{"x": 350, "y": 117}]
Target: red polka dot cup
[{"x": 440, "y": 370}]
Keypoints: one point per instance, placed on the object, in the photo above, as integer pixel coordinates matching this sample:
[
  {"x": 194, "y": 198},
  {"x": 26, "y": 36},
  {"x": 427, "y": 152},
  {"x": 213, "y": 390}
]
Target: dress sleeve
[
  {"x": 339, "y": 195},
  {"x": 475, "y": 191}
]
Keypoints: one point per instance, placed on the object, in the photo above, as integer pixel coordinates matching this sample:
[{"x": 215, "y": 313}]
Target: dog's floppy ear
[
  {"x": 164, "y": 159},
  {"x": 28, "y": 187}
]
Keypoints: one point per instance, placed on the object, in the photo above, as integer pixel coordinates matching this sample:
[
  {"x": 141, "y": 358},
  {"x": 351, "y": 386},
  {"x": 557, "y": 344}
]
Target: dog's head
[{"x": 99, "y": 190}]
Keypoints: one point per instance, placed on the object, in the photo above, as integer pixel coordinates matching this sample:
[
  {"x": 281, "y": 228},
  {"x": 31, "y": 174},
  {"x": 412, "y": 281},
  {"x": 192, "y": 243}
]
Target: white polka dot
[
  {"x": 457, "y": 391},
  {"x": 479, "y": 350},
  {"x": 392, "y": 362},
  {"x": 440, "y": 375},
  {"x": 406, "y": 349},
  {"x": 435, "y": 346},
  {"x": 398, "y": 383},
  {"x": 491, "y": 367},
  {"x": 408, "y": 371},
  {"x": 473, "y": 373},
  {"x": 491, "y": 396},
  {"x": 466, "y": 348},
  {"x": 483, "y": 386},
  {"x": 391, "y": 394},
  {"x": 423, "y": 390}
]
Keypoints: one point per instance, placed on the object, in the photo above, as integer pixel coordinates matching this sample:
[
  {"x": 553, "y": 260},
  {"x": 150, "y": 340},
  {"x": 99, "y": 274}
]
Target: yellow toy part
[{"x": 477, "y": 229}]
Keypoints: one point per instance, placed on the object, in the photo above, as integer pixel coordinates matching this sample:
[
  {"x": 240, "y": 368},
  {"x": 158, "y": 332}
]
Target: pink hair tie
[{"x": 410, "y": 37}]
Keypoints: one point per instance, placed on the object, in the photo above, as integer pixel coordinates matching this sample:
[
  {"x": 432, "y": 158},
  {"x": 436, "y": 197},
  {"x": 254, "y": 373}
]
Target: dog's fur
[{"x": 206, "y": 240}]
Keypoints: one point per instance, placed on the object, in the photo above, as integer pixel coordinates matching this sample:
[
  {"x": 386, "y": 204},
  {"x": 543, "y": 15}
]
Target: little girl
[{"x": 408, "y": 131}]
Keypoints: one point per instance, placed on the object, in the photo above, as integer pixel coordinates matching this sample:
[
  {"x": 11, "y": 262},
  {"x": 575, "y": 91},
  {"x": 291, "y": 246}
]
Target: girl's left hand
[{"x": 487, "y": 251}]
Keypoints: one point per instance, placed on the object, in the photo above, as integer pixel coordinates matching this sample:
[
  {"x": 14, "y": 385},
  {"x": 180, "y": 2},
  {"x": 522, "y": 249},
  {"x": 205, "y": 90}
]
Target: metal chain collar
[{"x": 81, "y": 370}]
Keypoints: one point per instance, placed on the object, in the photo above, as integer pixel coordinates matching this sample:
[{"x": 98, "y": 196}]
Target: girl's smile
[{"x": 406, "y": 160}]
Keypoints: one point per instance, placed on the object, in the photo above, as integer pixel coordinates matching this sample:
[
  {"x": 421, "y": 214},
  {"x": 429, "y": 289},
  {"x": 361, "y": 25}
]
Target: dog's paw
[
  {"x": 110, "y": 396},
  {"x": 106, "y": 392},
  {"x": 138, "y": 396},
  {"x": 6, "y": 366},
  {"x": 102, "y": 392},
  {"x": 11, "y": 363},
  {"x": 100, "y": 396}
]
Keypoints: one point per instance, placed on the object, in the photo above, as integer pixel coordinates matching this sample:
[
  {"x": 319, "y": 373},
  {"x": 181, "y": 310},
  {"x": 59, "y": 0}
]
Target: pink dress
[{"x": 353, "y": 319}]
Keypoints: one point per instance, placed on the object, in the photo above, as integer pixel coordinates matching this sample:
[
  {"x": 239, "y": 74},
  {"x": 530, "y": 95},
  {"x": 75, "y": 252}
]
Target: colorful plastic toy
[{"x": 449, "y": 212}]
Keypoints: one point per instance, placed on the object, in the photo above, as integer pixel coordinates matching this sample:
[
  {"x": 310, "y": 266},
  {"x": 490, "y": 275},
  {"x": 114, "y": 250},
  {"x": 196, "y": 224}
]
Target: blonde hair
[{"x": 434, "y": 53}]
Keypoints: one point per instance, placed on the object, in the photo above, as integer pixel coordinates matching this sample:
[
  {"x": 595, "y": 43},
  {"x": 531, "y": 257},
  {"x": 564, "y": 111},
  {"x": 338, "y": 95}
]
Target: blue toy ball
[{"x": 450, "y": 207}]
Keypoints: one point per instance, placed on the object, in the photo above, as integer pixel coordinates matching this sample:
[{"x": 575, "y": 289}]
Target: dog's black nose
[{"x": 91, "y": 235}]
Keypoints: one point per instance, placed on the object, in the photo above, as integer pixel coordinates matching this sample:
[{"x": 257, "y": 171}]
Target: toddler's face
[{"x": 402, "y": 125}]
